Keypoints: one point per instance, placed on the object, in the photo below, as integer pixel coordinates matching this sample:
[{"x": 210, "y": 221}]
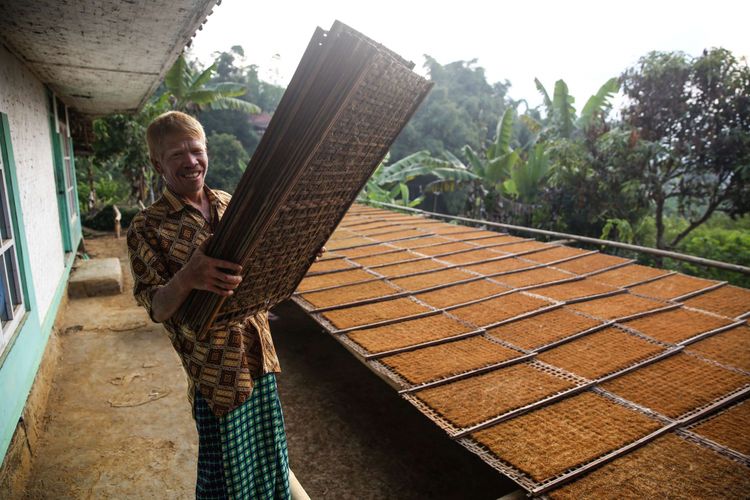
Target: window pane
[
  {"x": 11, "y": 265},
  {"x": 5, "y": 231},
  {"x": 5, "y": 305}
]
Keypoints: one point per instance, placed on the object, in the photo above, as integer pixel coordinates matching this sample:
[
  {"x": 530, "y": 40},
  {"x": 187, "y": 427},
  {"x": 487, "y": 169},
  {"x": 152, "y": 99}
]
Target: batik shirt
[{"x": 161, "y": 239}]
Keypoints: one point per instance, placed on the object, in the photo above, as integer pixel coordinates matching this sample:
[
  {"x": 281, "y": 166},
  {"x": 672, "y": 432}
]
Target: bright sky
[{"x": 583, "y": 42}]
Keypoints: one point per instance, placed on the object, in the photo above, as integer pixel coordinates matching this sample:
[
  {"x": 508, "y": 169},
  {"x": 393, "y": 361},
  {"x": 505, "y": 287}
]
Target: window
[
  {"x": 67, "y": 161},
  {"x": 12, "y": 306}
]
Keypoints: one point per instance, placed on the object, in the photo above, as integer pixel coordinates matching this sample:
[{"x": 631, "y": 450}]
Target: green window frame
[
  {"x": 65, "y": 174},
  {"x": 14, "y": 298}
]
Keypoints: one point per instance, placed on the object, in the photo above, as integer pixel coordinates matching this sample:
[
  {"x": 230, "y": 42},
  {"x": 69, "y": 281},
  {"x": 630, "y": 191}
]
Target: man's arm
[{"x": 201, "y": 272}]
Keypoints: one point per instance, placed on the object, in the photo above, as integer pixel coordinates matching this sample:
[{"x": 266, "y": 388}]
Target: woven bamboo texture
[
  {"x": 417, "y": 266},
  {"x": 730, "y": 347},
  {"x": 498, "y": 266},
  {"x": 386, "y": 258},
  {"x": 345, "y": 105},
  {"x": 628, "y": 275},
  {"x": 555, "y": 254},
  {"x": 555, "y": 438},
  {"x": 600, "y": 353},
  {"x": 542, "y": 329},
  {"x": 574, "y": 290},
  {"x": 420, "y": 242},
  {"x": 444, "y": 360},
  {"x": 728, "y": 428},
  {"x": 533, "y": 277},
  {"x": 676, "y": 325},
  {"x": 445, "y": 248},
  {"x": 473, "y": 400},
  {"x": 498, "y": 309},
  {"x": 364, "y": 251},
  {"x": 459, "y": 294},
  {"x": 473, "y": 256},
  {"x": 429, "y": 280},
  {"x": 331, "y": 279},
  {"x": 669, "y": 467},
  {"x": 328, "y": 265},
  {"x": 677, "y": 385},
  {"x": 408, "y": 333},
  {"x": 617, "y": 306},
  {"x": 350, "y": 293},
  {"x": 373, "y": 313},
  {"x": 591, "y": 263},
  {"x": 671, "y": 287},
  {"x": 730, "y": 301}
]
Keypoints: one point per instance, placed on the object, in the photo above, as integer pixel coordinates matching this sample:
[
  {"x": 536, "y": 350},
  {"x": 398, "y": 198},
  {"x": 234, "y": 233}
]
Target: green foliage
[
  {"x": 190, "y": 91},
  {"x": 460, "y": 110},
  {"x": 694, "y": 113},
  {"x": 227, "y": 162}
]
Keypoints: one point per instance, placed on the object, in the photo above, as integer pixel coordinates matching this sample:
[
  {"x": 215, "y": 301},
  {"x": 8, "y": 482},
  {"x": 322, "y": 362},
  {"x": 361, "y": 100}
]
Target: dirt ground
[{"x": 118, "y": 424}]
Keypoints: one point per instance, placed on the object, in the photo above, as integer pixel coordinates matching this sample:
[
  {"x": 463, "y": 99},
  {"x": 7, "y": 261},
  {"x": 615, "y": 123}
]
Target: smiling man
[{"x": 242, "y": 451}]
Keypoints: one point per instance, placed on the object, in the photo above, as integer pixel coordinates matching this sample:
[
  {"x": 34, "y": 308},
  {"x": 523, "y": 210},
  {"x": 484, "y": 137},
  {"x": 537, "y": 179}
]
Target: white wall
[{"x": 23, "y": 99}]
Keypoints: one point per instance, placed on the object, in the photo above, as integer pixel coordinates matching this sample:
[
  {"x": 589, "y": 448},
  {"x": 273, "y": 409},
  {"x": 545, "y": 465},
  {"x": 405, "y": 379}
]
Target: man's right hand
[{"x": 202, "y": 272}]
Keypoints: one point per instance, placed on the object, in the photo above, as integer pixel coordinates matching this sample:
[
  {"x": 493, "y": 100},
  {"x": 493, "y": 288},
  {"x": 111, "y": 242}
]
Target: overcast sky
[{"x": 583, "y": 42}]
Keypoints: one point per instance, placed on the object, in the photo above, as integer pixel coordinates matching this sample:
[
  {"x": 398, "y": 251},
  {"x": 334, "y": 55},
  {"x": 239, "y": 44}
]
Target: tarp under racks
[{"x": 347, "y": 102}]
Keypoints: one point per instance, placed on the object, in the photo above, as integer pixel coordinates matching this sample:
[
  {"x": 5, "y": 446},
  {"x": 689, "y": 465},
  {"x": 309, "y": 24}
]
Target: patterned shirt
[{"x": 161, "y": 239}]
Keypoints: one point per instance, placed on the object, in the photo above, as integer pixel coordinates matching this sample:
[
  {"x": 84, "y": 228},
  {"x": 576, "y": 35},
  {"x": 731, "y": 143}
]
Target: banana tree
[
  {"x": 561, "y": 112},
  {"x": 389, "y": 182},
  {"x": 188, "y": 91}
]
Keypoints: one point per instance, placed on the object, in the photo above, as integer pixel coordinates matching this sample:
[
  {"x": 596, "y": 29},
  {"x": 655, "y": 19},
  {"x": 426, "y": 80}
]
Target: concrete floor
[{"x": 118, "y": 424}]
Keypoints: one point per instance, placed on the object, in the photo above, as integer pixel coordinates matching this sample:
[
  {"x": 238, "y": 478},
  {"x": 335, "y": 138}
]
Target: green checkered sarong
[{"x": 243, "y": 454}]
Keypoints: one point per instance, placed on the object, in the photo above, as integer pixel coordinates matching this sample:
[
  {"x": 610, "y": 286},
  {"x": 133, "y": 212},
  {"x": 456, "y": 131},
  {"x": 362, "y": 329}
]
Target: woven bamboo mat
[
  {"x": 672, "y": 287},
  {"x": 376, "y": 312},
  {"x": 328, "y": 265},
  {"x": 617, "y": 306},
  {"x": 592, "y": 263},
  {"x": 575, "y": 290},
  {"x": 669, "y": 467},
  {"x": 676, "y": 325},
  {"x": 445, "y": 360},
  {"x": 556, "y": 254},
  {"x": 497, "y": 309},
  {"x": 420, "y": 242},
  {"x": 555, "y": 438},
  {"x": 601, "y": 353},
  {"x": 349, "y": 293},
  {"x": 532, "y": 277},
  {"x": 365, "y": 251},
  {"x": 629, "y": 275},
  {"x": 728, "y": 428},
  {"x": 677, "y": 385},
  {"x": 345, "y": 105},
  {"x": 472, "y": 256},
  {"x": 473, "y": 400},
  {"x": 386, "y": 258},
  {"x": 537, "y": 331},
  {"x": 412, "y": 267},
  {"x": 331, "y": 279},
  {"x": 460, "y": 294},
  {"x": 446, "y": 248},
  {"x": 408, "y": 333},
  {"x": 431, "y": 279},
  {"x": 495, "y": 267},
  {"x": 730, "y": 347},
  {"x": 730, "y": 301}
]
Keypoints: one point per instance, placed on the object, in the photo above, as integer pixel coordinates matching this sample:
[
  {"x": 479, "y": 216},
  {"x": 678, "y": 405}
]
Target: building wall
[{"x": 23, "y": 99}]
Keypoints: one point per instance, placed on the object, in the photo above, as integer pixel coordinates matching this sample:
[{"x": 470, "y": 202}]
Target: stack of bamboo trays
[{"x": 345, "y": 105}]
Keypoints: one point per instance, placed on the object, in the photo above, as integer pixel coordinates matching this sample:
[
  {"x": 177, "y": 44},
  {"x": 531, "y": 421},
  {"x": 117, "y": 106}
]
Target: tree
[
  {"x": 227, "y": 162},
  {"x": 459, "y": 110},
  {"x": 190, "y": 91},
  {"x": 694, "y": 115}
]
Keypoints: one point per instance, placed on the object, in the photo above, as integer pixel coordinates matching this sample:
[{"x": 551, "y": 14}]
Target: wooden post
[{"x": 118, "y": 218}]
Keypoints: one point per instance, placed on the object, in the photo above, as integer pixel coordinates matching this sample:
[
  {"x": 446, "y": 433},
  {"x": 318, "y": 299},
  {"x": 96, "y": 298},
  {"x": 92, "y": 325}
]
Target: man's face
[{"x": 183, "y": 164}]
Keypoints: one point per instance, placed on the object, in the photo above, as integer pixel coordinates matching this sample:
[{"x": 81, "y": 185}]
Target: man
[{"x": 231, "y": 375}]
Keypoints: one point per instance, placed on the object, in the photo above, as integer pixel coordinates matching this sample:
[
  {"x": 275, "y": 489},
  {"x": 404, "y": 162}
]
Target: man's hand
[
  {"x": 207, "y": 273},
  {"x": 320, "y": 253},
  {"x": 200, "y": 272}
]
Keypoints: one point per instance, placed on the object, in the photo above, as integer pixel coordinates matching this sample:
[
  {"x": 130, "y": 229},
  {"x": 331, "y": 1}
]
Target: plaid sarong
[{"x": 243, "y": 454}]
